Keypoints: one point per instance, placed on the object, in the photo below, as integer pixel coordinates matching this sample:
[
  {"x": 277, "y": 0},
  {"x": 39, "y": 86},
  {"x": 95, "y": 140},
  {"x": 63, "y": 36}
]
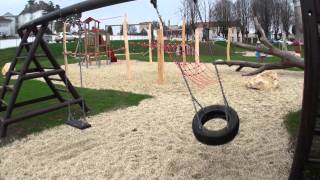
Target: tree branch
[
  {"x": 259, "y": 66},
  {"x": 288, "y": 59}
]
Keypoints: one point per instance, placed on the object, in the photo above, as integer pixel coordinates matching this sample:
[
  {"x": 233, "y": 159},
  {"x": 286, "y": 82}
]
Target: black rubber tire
[{"x": 218, "y": 137}]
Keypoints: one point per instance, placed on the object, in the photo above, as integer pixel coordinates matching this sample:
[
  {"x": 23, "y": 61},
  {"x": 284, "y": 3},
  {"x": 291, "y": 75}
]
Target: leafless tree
[
  {"x": 222, "y": 13},
  {"x": 288, "y": 60},
  {"x": 189, "y": 11},
  {"x": 298, "y": 20},
  {"x": 242, "y": 12},
  {"x": 276, "y": 17},
  {"x": 262, "y": 9},
  {"x": 286, "y": 15}
]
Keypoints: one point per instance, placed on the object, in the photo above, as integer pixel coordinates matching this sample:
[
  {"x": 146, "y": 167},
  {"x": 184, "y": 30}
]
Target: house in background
[
  {"x": 34, "y": 10},
  {"x": 8, "y": 24},
  {"x": 144, "y": 26}
]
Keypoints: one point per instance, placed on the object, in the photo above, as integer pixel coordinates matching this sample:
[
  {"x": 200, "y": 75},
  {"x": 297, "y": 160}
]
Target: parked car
[
  {"x": 281, "y": 41},
  {"x": 218, "y": 38},
  {"x": 69, "y": 37},
  {"x": 48, "y": 37}
]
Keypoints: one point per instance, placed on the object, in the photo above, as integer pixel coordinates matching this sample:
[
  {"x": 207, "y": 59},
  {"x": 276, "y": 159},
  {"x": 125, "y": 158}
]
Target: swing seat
[
  {"x": 78, "y": 123},
  {"x": 215, "y": 137}
]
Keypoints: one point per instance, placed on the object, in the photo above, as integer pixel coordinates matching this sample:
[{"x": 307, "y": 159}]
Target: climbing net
[{"x": 197, "y": 73}]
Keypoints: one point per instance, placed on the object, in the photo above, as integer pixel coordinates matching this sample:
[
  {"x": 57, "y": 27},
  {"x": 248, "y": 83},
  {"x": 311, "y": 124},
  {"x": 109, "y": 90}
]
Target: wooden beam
[
  {"x": 197, "y": 46},
  {"x": 126, "y": 44},
  {"x": 229, "y": 43},
  {"x": 150, "y": 42},
  {"x": 184, "y": 55},
  {"x": 160, "y": 55},
  {"x": 65, "y": 51}
]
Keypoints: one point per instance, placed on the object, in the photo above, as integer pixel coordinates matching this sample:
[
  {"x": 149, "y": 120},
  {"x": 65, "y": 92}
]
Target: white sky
[{"x": 138, "y": 11}]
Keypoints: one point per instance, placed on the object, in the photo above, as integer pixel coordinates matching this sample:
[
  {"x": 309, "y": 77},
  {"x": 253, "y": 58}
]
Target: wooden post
[
  {"x": 229, "y": 43},
  {"x": 160, "y": 55},
  {"x": 65, "y": 55},
  {"x": 184, "y": 55},
  {"x": 86, "y": 44},
  {"x": 197, "y": 46},
  {"x": 126, "y": 44},
  {"x": 240, "y": 37},
  {"x": 97, "y": 46},
  {"x": 150, "y": 42},
  {"x": 234, "y": 35}
]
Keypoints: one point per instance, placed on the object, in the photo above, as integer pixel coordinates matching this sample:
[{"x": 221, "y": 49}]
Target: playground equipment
[
  {"x": 204, "y": 135},
  {"x": 309, "y": 127},
  {"x": 27, "y": 73},
  {"x": 93, "y": 41}
]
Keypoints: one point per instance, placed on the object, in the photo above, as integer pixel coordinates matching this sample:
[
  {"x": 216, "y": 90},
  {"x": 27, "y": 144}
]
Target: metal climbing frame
[
  {"x": 38, "y": 27},
  {"x": 309, "y": 132}
]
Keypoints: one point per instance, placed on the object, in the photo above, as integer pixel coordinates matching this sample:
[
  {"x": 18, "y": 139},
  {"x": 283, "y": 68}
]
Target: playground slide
[{"x": 112, "y": 55}]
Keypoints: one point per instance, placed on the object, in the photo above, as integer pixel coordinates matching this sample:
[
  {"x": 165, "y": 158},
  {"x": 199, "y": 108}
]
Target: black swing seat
[
  {"x": 78, "y": 123},
  {"x": 215, "y": 137}
]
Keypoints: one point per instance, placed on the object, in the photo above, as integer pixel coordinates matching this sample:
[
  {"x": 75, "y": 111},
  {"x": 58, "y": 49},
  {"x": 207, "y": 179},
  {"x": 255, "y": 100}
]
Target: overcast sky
[{"x": 138, "y": 11}]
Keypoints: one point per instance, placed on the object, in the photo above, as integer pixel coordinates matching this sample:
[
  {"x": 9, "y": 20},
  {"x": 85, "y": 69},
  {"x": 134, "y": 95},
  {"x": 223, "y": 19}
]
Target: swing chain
[{"x": 215, "y": 65}]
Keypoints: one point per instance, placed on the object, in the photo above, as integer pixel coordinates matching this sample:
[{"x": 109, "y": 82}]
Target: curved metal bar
[{"x": 73, "y": 9}]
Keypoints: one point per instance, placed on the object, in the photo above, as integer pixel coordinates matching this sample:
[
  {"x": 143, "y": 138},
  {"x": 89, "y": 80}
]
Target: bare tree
[
  {"x": 262, "y": 9},
  {"x": 298, "y": 20},
  {"x": 286, "y": 15},
  {"x": 242, "y": 15},
  {"x": 222, "y": 14},
  {"x": 288, "y": 60},
  {"x": 189, "y": 11},
  {"x": 276, "y": 17}
]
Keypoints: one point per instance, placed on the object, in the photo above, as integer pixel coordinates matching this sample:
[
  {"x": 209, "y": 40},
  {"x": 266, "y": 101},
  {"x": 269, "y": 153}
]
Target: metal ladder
[{"x": 28, "y": 73}]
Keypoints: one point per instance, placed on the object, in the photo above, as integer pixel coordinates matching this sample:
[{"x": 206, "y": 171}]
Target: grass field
[
  {"x": 97, "y": 100},
  {"x": 114, "y": 99}
]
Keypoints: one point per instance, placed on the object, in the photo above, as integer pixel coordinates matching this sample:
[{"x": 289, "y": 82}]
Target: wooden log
[
  {"x": 184, "y": 55},
  {"x": 150, "y": 42},
  {"x": 229, "y": 43},
  {"x": 126, "y": 45},
  {"x": 65, "y": 51},
  {"x": 197, "y": 46}
]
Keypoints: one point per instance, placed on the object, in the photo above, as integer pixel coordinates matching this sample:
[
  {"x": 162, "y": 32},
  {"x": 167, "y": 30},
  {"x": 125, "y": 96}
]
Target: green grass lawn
[
  {"x": 219, "y": 52},
  {"x": 98, "y": 100},
  {"x": 291, "y": 121}
]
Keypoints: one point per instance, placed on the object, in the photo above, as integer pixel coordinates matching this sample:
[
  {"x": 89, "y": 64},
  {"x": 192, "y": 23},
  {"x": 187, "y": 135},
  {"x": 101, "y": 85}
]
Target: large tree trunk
[{"x": 298, "y": 20}]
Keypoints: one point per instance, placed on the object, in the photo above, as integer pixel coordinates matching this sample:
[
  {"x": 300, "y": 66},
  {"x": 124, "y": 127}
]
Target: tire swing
[
  {"x": 206, "y": 114},
  {"x": 211, "y": 113}
]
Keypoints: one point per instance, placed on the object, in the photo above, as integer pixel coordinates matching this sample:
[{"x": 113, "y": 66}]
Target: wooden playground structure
[{"x": 311, "y": 103}]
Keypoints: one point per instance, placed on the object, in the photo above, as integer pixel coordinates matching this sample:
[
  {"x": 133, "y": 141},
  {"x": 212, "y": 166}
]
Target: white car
[
  {"x": 69, "y": 36},
  {"x": 219, "y": 38}
]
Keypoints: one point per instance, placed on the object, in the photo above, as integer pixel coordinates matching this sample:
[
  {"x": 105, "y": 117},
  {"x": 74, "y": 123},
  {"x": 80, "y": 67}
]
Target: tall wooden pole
[
  {"x": 160, "y": 55},
  {"x": 197, "y": 46},
  {"x": 184, "y": 55},
  {"x": 86, "y": 43},
  {"x": 65, "y": 55},
  {"x": 229, "y": 43},
  {"x": 126, "y": 44},
  {"x": 150, "y": 42}
]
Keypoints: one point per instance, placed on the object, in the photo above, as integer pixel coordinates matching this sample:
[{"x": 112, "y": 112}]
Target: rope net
[{"x": 197, "y": 73}]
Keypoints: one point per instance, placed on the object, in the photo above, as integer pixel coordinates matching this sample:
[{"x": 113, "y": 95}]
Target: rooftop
[{"x": 4, "y": 19}]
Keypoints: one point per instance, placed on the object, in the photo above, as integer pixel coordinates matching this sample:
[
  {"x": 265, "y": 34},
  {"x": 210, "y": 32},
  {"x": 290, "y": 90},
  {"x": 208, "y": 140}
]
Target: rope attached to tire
[{"x": 205, "y": 114}]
